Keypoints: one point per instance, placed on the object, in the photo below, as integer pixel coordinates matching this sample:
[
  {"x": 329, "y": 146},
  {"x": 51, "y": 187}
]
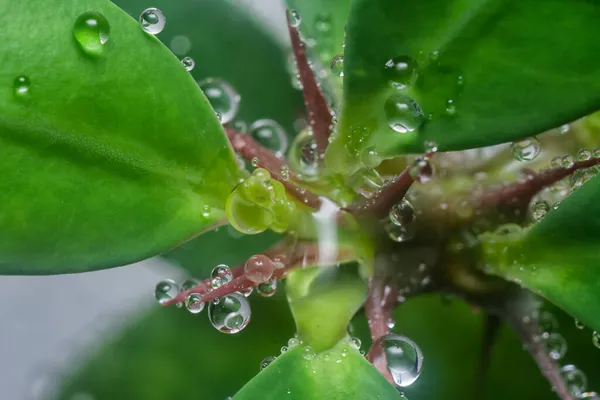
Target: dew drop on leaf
[
  {"x": 402, "y": 213},
  {"x": 166, "y": 291},
  {"x": 568, "y": 161},
  {"x": 403, "y": 358},
  {"x": 220, "y": 275},
  {"x": 596, "y": 339},
  {"x": 91, "y": 31},
  {"x": 584, "y": 155},
  {"x": 270, "y": 135},
  {"x": 188, "y": 284},
  {"x": 574, "y": 379},
  {"x": 403, "y": 114},
  {"x": 265, "y": 363},
  {"x": 526, "y": 149},
  {"x": 194, "y": 303},
  {"x": 152, "y": 21},
  {"x": 556, "y": 345},
  {"x": 188, "y": 63},
  {"x": 303, "y": 155},
  {"x": 258, "y": 268},
  {"x": 323, "y": 22},
  {"x": 579, "y": 324},
  {"x": 337, "y": 65},
  {"x": 401, "y": 71},
  {"x": 355, "y": 343},
  {"x": 267, "y": 289},
  {"x": 294, "y": 18},
  {"x": 254, "y": 162},
  {"x": 222, "y": 97},
  {"x": 430, "y": 146},
  {"x": 231, "y": 314},
  {"x": 21, "y": 86},
  {"x": 539, "y": 209}
]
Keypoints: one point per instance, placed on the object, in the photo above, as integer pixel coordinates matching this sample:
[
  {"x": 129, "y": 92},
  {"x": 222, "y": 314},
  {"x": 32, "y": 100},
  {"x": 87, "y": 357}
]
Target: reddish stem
[{"x": 319, "y": 115}]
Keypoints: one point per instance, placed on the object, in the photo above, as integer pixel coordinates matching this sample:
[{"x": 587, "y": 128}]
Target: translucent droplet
[
  {"x": 222, "y": 97},
  {"x": 574, "y": 379},
  {"x": 271, "y": 135},
  {"x": 323, "y": 22},
  {"x": 231, "y": 314},
  {"x": 265, "y": 363},
  {"x": 194, "y": 303},
  {"x": 403, "y": 358},
  {"x": 284, "y": 172},
  {"x": 355, "y": 343},
  {"x": 584, "y": 155},
  {"x": 284, "y": 349},
  {"x": 402, "y": 213},
  {"x": 568, "y": 161},
  {"x": 258, "y": 268},
  {"x": 221, "y": 274},
  {"x": 21, "y": 86},
  {"x": 303, "y": 155},
  {"x": 526, "y": 149},
  {"x": 247, "y": 292},
  {"x": 579, "y": 324},
  {"x": 430, "y": 146},
  {"x": 539, "y": 209},
  {"x": 401, "y": 71},
  {"x": 152, "y": 21},
  {"x": 166, "y": 291},
  {"x": 308, "y": 353},
  {"x": 180, "y": 45},
  {"x": 294, "y": 18},
  {"x": 337, "y": 65},
  {"x": 403, "y": 113},
  {"x": 399, "y": 233},
  {"x": 596, "y": 339},
  {"x": 91, "y": 31},
  {"x": 421, "y": 170},
  {"x": 556, "y": 345},
  {"x": 450, "y": 107},
  {"x": 188, "y": 63},
  {"x": 589, "y": 396},
  {"x": 267, "y": 289},
  {"x": 188, "y": 284},
  {"x": 547, "y": 322},
  {"x": 564, "y": 129},
  {"x": 293, "y": 342},
  {"x": 254, "y": 162}
]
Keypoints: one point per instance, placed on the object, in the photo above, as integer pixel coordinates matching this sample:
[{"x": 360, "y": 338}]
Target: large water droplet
[
  {"x": 166, "y": 291},
  {"x": 403, "y": 113},
  {"x": 574, "y": 379},
  {"x": 91, "y": 31},
  {"x": 221, "y": 274},
  {"x": 194, "y": 303},
  {"x": 337, "y": 65},
  {"x": 231, "y": 314},
  {"x": 526, "y": 149},
  {"x": 222, "y": 97},
  {"x": 267, "y": 289},
  {"x": 403, "y": 357},
  {"x": 402, "y": 213},
  {"x": 556, "y": 345},
  {"x": 401, "y": 71},
  {"x": 258, "y": 268},
  {"x": 271, "y": 135},
  {"x": 21, "y": 86},
  {"x": 153, "y": 21},
  {"x": 303, "y": 155}
]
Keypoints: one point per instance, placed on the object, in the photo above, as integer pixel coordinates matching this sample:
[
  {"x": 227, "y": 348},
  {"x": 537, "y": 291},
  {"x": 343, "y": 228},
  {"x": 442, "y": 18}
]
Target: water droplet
[
  {"x": 188, "y": 63},
  {"x": 584, "y": 155},
  {"x": 308, "y": 353},
  {"x": 206, "y": 211},
  {"x": 355, "y": 343},
  {"x": 254, "y": 162},
  {"x": 574, "y": 379},
  {"x": 596, "y": 339},
  {"x": 294, "y": 18},
  {"x": 284, "y": 172},
  {"x": 284, "y": 349},
  {"x": 265, "y": 363},
  {"x": 556, "y": 345},
  {"x": 152, "y": 21},
  {"x": 403, "y": 358},
  {"x": 222, "y": 97},
  {"x": 401, "y": 71},
  {"x": 579, "y": 324},
  {"x": 21, "y": 85},
  {"x": 303, "y": 155},
  {"x": 271, "y": 135},
  {"x": 231, "y": 314},
  {"x": 323, "y": 22},
  {"x": 241, "y": 126},
  {"x": 293, "y": 342},
  {"x": 450, "y": 107},
  {"x": 568, "y": 161},
  {"x": 564, "y": 129},
  {"x": 539, "y": 209},
  {"x": 180, "y": 45},
  {"x": 337, "y": 65},
  {"x": 526, "y": 149},
  {"x": 421, "y": 170},
  {"x": 430, "y": 146},
  {"x": 194, "y": 303},
  {"x": 399, "y": 233},
  {"x": 402, "y": 213},
  {"x": 258, "y": 268},
  {"x": 91, "y": 31},
  {"x": 221, "y": 274},
  {"x": 188, "y": 284},
  {"x": 267, "y": 289},
  {"x": 166, "y": 291},
  {"x": 403, "y": 113},
  {"x": 547, "y": 322},
  {"x": 589, "y": 396}
]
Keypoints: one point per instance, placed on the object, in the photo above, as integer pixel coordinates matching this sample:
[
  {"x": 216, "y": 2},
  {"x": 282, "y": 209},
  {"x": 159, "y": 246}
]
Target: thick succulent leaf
[
  {"x": 482, "y": 72},
  {"x": 558, "y": 257},
  {"x": 172, "y": 354},
  {"x": 107, "y": 158},
  {"x": 299, "y": 374}
]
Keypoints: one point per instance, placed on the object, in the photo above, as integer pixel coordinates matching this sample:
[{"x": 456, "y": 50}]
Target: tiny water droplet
[
  {"x": 579, "y": 324},
  {"x": 194, "y": 303},
  {"x": 222, "y": 97},
  {"x": 337, "y": 65},
  {"x": 539, "y": 209},
  {"x": 421, "y": 170},
  {"x": 152, "y": 21},
  {"x": 430, "y": 146},
  {"x": 221, "y": 274},
  {"x": 568, "y": 161},
  {"x": 556, "y": 345},
  {"x": 308, "y": 353},
  {"x": 403, "y": 358},
  {"x": 284, "y": 172},
  {"x": 596, "y": 339},
  {"x": 231, "y": 314},
  {"x": 284, "y": 349},
  {"x": 166, "y": 291},
  {"x": 294, "y": 18},
  {"x": 355, "y": 343},
  {"x": 564, "y": 129},
  {"x": 267, "y": 289},
  {"x": 450, "y": 107},
  {"x": 526, "y": 149},
  {"x": 206, "y": 211},
  {"x": 574, "y": 379},
  {"x": 188, "y": 284},
  {"x": 188, "y": 63},
  {"x": 21, "y": 86},
  {"x": 254, "y": 162},
  {"x": 91, "y": 31},
  {"x": 293, "y": 342},
  {"x": 323, "y": 22},
  {"x": 401, "y": 71},
  {"x": 584, "y": 155},
  {"x": 258, "y": 268},
  {"x": 265, "y": 363},
  {"x": 403, "y": 113},
  {"x": 271, "y": 135}
]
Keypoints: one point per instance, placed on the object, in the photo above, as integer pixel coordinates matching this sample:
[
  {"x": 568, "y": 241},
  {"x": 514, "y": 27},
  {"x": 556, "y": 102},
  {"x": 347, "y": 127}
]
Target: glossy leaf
[
  {"x": 482, "y": 72},
  {"x": 107, "y": 158},
  {"x": 299, "y": 374},
  {"x": 558, "y": 257}
]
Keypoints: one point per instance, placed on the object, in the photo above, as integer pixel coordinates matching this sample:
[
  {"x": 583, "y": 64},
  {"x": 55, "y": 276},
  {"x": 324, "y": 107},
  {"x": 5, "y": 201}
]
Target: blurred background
[{"x": 101, "y": 335}]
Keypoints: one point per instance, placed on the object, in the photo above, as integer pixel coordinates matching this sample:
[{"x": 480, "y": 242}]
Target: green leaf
[
  {"x": 558, "y": 257},
  {"x": 512, "y": 69},
  {"x": 107, "y": 158},
  {"x": 300, "y": 374}
]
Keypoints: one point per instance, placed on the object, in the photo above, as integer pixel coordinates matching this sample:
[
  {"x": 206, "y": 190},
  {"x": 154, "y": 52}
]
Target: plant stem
[{"x": 319, "y": 114}]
